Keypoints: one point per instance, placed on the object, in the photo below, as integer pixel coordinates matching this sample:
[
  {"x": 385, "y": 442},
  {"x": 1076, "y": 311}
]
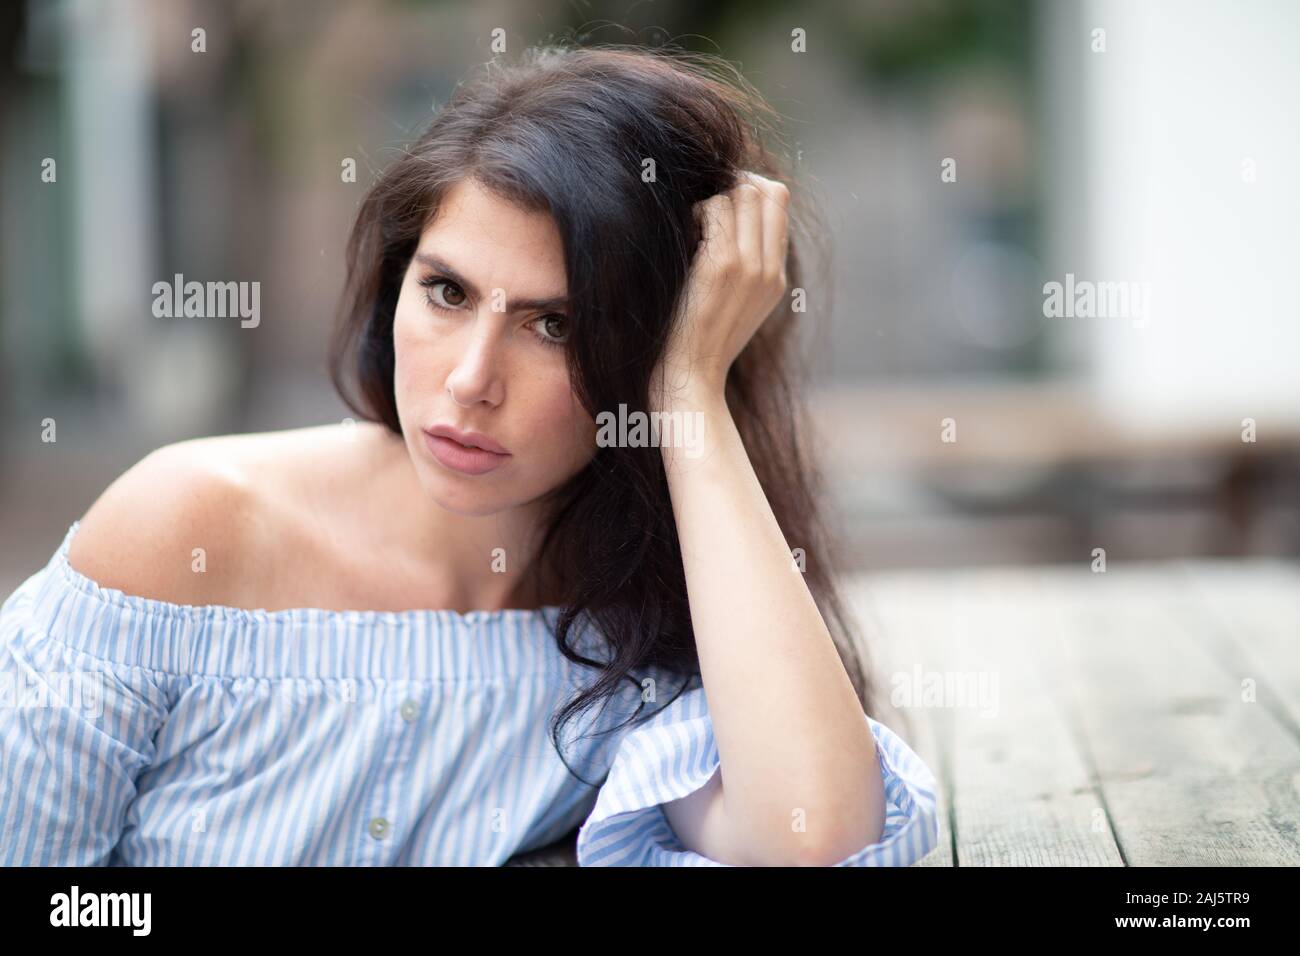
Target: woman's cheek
[
  {"x": 401, "y": 347},
  {"x": 549, "y": 424},
  {"x": 409, "y": 352}
]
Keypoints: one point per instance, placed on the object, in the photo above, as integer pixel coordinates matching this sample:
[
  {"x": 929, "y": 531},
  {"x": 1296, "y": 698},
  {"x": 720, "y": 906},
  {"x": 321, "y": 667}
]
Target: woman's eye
[
  {"x": 443, "y": 293},
  {"x": 554, "y": 328}
]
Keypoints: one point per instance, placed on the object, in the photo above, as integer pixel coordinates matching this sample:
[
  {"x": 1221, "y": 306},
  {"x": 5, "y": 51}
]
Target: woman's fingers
[
  {"x": 744, "y": 232},
  {"x": 773, "y": 200},
  {"x": 765, "y": 215},
  {"x": 749, "y": 201},
  {"x": 749, "y": 223},
  {"x": 718, "y": 232},
  {"x": 736, "y": 278},
  {"x": 776, "y": 227}
]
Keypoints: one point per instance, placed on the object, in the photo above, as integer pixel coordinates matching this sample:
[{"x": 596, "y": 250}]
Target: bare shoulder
[
  {"x": 190, "y": 523},
  {"x": 140, "y": 535}
]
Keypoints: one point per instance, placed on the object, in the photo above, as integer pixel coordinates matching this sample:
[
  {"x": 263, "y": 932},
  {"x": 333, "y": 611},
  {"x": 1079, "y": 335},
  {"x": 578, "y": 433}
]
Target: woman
[{"x": 579, "y": 244}]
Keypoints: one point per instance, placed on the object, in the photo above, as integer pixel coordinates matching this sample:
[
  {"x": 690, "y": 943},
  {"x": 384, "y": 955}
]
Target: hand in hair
[{"x": 737, "y": 279}]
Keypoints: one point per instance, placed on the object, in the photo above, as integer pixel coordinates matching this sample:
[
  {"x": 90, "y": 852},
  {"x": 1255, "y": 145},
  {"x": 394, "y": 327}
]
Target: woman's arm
[{"x": 800, "y": 781}]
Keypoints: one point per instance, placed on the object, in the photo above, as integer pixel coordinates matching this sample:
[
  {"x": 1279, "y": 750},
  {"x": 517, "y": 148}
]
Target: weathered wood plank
[
  {"x": 1120, "y": 706},
  {"x": 1254, "y": 612},
  {"x": 1191, "y": 772},
  {"x": 1020, "y": 790},
  {"x": 1040, "y": 804},
  {"x": 893, "y": 648}
]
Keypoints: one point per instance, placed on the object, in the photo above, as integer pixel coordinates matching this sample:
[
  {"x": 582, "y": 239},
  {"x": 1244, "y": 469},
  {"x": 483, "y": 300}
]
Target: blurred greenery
[
  {"x": 890, "y": 41},
  {"x": 934, "y": 39}
]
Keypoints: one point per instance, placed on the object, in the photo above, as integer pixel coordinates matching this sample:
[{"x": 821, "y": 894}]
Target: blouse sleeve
[
  {"x": 75, "y": 733},
  {"x": 674, "y": 754}
]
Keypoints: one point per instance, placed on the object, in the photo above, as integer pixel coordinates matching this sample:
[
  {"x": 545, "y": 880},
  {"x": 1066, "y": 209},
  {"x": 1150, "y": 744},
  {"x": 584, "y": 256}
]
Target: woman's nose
[{"x": 476, "y": 376}]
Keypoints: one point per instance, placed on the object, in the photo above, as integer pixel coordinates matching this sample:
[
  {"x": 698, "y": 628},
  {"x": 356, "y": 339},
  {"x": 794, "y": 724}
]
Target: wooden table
[
  {"x": 1144, "y": 716},
  {"x": 1148, "y": 715}
]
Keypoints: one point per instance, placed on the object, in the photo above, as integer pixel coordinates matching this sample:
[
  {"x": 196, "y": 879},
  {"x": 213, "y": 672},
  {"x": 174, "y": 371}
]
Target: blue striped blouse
[{"x": 134, "y": 732}]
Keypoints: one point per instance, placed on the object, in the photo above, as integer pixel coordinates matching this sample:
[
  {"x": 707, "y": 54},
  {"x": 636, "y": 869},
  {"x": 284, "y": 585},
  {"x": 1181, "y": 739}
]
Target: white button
[
  {"x": 379, "y": 828},
  {"x": 409, "y": 710}
]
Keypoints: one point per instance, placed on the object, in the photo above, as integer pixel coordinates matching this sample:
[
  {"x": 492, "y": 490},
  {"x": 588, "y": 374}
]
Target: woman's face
[{"x": 477, "y": 340}]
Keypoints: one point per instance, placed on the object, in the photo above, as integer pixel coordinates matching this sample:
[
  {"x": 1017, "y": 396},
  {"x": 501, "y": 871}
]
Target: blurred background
[{"x": 967, "y": 156}]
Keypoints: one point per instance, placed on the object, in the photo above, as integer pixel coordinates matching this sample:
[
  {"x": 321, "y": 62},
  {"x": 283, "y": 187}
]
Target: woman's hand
[
  {"x": 788, "y": 737},
  {"x": 737, "y": 278}
]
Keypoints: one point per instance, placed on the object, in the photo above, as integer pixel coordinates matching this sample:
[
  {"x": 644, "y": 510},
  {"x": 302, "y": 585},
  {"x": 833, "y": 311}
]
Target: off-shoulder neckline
[{"x": 156, "y": 607}]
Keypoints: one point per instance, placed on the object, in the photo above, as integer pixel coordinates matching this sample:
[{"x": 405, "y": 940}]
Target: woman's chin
[{"x": 457, "y": 494}]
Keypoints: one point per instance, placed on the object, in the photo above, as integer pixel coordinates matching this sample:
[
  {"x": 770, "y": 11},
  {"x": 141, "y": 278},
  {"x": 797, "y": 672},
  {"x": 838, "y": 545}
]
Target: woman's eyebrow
[{"x": 513, "y": 304}]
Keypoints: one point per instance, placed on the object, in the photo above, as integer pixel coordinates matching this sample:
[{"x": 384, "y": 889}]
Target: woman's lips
[{"x": 468, "y": 461}]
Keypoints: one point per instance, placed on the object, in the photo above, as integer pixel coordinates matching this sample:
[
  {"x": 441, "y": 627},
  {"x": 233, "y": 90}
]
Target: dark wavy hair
[{"x": 565, "y": 130}]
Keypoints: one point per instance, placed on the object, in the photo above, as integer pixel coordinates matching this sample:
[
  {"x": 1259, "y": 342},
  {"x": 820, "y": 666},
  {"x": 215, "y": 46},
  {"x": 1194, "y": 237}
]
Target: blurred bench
[{"x": 1045, "y": 472}]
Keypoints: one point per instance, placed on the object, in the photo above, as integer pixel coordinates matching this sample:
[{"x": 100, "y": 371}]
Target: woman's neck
[{"x": 478, "y": 562}]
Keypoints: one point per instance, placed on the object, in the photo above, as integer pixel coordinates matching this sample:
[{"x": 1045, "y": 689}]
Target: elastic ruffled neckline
[
  {"x": 154, "y": 606},
  {"x": 222, "y": 640}
]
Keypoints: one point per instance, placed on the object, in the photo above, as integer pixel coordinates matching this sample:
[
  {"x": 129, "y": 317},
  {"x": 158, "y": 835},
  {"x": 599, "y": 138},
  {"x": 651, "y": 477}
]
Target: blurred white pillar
[
  {"x": 112, "y": 165},
  {"x": 175, "y": 377},
  {"x": 1190, "y": 125}
]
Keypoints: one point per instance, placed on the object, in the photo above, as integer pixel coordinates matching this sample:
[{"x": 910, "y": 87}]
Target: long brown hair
[{"x": 567, "y": 131}]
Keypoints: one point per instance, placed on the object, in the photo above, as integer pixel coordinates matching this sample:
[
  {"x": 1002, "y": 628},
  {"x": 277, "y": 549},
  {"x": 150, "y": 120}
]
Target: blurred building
[{"x": 967, "y": 156}]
